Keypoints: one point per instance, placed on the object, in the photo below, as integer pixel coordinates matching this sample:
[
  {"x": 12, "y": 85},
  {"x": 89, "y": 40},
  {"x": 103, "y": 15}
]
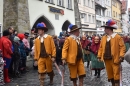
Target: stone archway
[
  {"x": 51, "y": 29},
  {"x": 65, "y": 25}
]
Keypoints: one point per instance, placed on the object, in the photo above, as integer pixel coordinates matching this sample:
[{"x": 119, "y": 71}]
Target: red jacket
[{"x": 5, "y": 46}]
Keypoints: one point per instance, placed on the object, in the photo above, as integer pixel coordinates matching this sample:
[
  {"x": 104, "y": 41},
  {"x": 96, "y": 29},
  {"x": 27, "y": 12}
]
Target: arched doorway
[
  {"x": 50, "y": 27},
  {"x": 65, "y": 25}
]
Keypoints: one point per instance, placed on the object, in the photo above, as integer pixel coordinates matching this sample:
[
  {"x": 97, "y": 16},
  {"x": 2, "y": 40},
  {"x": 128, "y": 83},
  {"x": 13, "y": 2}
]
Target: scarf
[
  {"x": 84, "y": 43},
  {"x": 94, "y": 47}
]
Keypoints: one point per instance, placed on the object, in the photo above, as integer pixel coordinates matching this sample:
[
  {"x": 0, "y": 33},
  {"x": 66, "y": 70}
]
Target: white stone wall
[
  {"x": 1, "y": 12},
  {"x": 39, "y": 8}
]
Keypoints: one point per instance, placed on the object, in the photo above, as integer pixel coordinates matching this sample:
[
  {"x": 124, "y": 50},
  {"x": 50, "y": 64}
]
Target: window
[
  {"x": 113, "y": 13},
  {"x": 89, "y": 18},
  {"x": 85, "y": 18},
  {"x": 60, "y": 2},
  {"x": 93, "y": 19},
  {"x": 103, "y": 23},
  {"x": 92, "y": 4},
  {"x": 56, "y": 17},
  {"x": 119, "y": 16},
  {"x": 69, "y": 4},
  {"x": 49, "y": 1},
  {"x": 114, "y": 3},
  {"x": 103, "y": 12},
  {"x": 107, "y": 14},
  {"x": 98, "y": 11},
  {"x": 88, "y": 2},
  {"x": 98, "y": 23},
  {"x": 84, "y": 2}
]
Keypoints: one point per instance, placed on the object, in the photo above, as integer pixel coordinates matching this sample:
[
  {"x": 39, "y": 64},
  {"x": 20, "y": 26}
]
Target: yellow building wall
[{"x": 116, "y": 14}]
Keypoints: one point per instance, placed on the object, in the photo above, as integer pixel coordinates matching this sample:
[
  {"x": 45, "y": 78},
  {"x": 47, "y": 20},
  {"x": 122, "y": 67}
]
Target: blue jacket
[{"x": 22, "y": 50}]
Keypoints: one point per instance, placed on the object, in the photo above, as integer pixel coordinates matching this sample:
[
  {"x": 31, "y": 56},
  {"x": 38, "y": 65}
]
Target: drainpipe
[{"x": 77, "y": 15}]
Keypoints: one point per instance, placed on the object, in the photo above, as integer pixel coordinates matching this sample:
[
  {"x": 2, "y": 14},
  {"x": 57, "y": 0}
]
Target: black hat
[
  {"x": 73, "y": 27},
  {"x": 26, "y": 34},
  {"x": 6, "y": 33}
]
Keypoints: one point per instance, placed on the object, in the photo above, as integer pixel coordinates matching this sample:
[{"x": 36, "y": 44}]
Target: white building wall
[
  {"x": 88, "y": 9},
  {"x": 108, "y": 12},
  {"x": 38, "y": 8},
  {"x": 125, "y": 24}
]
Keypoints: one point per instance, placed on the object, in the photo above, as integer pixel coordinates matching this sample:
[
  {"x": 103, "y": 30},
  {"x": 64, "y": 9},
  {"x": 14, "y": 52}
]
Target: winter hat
[
  {"x": 42, "y": 26},
  {"x": 16, "y": 39},
  {"x": 110, "y": 24},
  {"x": 21, "y": 36},
  {"x": 6, "y": 33},
  {"x": 73, "y": 28}
]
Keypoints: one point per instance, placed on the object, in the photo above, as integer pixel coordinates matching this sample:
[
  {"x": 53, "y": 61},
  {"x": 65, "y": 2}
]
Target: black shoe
[
  {"x": 98, "y": 76},
  {"x": 95, "y": 73}
]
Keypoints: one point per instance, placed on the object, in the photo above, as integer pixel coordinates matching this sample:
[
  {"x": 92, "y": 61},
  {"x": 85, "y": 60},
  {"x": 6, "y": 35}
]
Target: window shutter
[
  {"x": 57, "y": 2},
  {"x": 62, "y": 2}
]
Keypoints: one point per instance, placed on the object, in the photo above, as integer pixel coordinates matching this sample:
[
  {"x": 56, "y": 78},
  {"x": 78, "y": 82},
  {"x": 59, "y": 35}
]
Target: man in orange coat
[
  {"x": 112, "y": 51},
  {"x": 73, "y": 55},
  {"x": 45, "y": 53}
]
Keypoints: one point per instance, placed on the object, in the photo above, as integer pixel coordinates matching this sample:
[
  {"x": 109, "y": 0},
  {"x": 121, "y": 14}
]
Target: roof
[{"x": 119, "y": 1}]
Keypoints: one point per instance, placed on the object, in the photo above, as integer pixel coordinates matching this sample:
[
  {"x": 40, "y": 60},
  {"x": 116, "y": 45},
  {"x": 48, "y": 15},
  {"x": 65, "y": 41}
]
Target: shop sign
[
  {"x": 100, "y": 29},
  {"x": 56, "y": 10}
]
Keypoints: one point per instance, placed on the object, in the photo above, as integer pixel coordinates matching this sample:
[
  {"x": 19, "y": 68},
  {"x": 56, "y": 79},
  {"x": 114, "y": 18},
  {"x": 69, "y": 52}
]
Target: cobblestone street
[{"x": 31, "y": 78}]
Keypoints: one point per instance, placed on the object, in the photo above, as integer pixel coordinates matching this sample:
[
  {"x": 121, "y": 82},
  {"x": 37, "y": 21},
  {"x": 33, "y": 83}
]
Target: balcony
[{"x": 99, "y": 6}]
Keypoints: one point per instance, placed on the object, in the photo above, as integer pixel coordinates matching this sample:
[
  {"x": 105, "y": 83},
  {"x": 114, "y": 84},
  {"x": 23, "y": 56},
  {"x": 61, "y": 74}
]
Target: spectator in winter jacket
[
  {"x": 26, "y": 43},
  {"x": 11, "y": 31},
  {"x": 22, "y": 53},
  {"x": 16, "y": 57},
  {"x": 7, "y": 52}
]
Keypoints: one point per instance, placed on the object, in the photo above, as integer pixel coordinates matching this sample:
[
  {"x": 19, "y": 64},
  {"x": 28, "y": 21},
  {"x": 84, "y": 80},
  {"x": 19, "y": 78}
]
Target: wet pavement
[{"x": 31, "y": 78}]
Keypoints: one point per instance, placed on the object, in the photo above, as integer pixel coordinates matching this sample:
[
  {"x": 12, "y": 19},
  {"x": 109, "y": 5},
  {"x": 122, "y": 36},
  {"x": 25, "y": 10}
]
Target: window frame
[
  {"x": 62, "y": 3},
  {"x": 50, "y": 1},
  {"x": 69, "y": 4}
]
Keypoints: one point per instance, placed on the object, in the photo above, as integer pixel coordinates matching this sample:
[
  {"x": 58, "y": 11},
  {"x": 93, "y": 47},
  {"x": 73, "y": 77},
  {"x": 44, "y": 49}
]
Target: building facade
[
  {"x": 116, "y": 14},
  {"x": 87, "y": 15},
  {"x": 56, "y": 14},
  {"x": 125, "y": 17},
  {"x": 100, "y": 9}
]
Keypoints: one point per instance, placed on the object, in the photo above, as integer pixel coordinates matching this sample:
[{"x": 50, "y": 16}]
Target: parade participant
[
  {"x": 45, "y": 53},
  {"x": 6, "y": 46},
  {"x": 96, "y": 65},
  {"x": 16, "y": 57},
  {"x": 72, "y": 54},
  {"x": 85, "y": 45},
  {"x": 112, "y": 51}
]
